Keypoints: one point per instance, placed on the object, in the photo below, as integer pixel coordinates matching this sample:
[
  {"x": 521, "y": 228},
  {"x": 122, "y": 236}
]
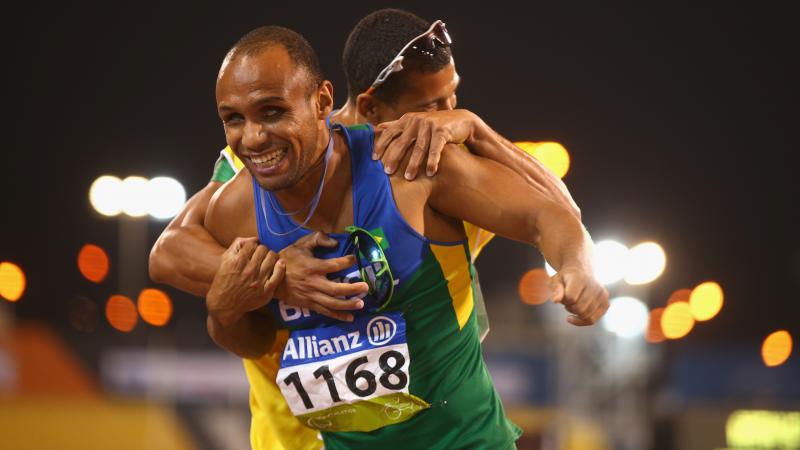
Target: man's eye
[
  {"x": 233, "y": 119},
  {"x": 273, "y": 113}
]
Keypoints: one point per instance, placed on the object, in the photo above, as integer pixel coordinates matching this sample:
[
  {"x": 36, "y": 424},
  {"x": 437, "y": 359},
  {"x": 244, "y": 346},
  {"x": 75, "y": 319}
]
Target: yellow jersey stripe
[{"x": 455, "y": 267}]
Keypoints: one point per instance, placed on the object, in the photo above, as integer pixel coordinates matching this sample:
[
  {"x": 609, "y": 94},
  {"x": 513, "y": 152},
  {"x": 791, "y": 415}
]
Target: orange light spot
[
  {"x": 12, "y": 281},
  {"x": 93, "y": 263},
  {"x": 551, "y": 154},
  {"x": 706, "y": 300},
  {"x": 681, "y": 295},
  {"x": 677, "y": 320},
  {"x": 121, "y": 313},
  {"x": 654, "y": 334},
  {"x": 776, "y": 348},
  {"x": 533, "y": 288},
  {"x": 155, "y": 307}
]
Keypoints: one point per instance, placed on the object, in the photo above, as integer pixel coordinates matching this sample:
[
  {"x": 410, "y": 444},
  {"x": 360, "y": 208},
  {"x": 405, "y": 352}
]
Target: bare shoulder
[{"x": 231, "y": 212}]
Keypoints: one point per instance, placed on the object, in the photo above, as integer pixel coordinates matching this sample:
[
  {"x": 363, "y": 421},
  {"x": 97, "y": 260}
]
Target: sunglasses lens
[{"x": 373, "y": 267}]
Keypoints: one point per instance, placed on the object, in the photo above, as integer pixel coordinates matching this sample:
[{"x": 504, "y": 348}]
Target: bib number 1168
[{"x": 391, "y": 377}]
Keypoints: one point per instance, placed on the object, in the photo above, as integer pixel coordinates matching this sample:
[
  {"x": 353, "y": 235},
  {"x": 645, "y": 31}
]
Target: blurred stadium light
[
  {"x": 646, "y": 262},
  {"x": 551, "y": 154},
  {"x": 93, "y": 263},
  {"x": 161, "y": 197},
  {"x": 12, "y": 281},
  {"x": 627, "y": 317},
  {"x": 706, "y": 300},
  {"x": 777, "y": 348}
]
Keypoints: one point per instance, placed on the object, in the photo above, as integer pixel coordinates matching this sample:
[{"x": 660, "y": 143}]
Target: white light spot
[
  {"x": 646, "y": 262},
  {"x": 626, "y": 317},
  {"x": 166, "y": 197},
  {"x": 105, "y": 195}
]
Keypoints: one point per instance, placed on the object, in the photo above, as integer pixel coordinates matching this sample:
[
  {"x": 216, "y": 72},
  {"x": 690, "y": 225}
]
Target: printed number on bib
[{"x": 349, "y": 377}]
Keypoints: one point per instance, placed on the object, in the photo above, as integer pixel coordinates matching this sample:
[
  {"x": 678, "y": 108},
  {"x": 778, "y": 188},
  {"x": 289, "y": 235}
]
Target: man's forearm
[
  {"x": 562, "y": 239},
  {"x": 487, "y": 143},
  {"x": 187, "y": 258},
  {"x": 249, "y": 337}
]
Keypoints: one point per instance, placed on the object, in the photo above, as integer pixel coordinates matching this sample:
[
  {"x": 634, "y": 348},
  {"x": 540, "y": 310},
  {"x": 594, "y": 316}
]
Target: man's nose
[{"x": 255, "y": 135}]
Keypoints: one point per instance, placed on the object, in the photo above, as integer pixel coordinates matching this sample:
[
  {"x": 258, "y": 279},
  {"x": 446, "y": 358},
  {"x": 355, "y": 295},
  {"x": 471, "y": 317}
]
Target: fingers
[
  {"x": 245, "y": 247},
  {"x": 275, "y": 279},
  {"x": 420, "y": 150},
  {"x": 557, "y": 288},
  {"x": 438, "y": 142},
  {"x": 267, "y": 265},
  {"x": 253, "y": 265},
  {"x": 338, "y": 315},
  {"x": 316, "y": 239},
  {"x": 335, "y": 264},
  {"x": 344, "y": 289},
  {"x": 392, "y": 149},
  {"x": 590, "y": 308},
  {"x": 387, "y": 131}
]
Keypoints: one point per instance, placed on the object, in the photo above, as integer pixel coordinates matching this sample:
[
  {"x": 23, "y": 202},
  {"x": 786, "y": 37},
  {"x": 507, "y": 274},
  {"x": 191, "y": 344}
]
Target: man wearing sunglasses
[
  {"x": 353, "y": 380},
  {"x": 380, "y": 89}
]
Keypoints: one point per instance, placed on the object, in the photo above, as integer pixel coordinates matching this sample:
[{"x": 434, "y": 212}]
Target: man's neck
[
  {"x": 348, "y": 115},
  {"x": 335, "y": 190}
]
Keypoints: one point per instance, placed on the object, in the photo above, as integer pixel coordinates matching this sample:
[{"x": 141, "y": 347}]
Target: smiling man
[{"x": 302, "y": 176}]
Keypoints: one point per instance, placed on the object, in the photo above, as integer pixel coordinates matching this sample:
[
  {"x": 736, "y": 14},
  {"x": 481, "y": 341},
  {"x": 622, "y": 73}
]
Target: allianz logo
[{"x": 380, "y": 330}]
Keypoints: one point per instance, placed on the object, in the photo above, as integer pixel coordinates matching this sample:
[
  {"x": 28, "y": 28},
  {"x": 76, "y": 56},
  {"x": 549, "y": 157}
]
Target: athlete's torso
[{"x": 433, "y": 299}]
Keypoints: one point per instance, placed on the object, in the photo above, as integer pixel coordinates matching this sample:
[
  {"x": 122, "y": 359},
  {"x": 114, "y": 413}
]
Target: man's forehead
[{"x": 269, "y": 70}]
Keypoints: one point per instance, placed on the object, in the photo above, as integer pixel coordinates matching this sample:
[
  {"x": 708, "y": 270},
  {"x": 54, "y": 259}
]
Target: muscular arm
[
  {"x": 496, "y": 198},
  {"x": 186, "y": 256},
  {"x": 486, "y": 142},
  {"x": 428, "y": 132}
]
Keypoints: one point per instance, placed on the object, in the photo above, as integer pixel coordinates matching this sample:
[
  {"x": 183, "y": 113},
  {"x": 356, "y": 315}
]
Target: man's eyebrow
[{"x": 258, "y": 102}]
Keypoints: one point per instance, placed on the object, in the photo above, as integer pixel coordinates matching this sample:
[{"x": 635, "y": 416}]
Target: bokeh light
[
  {"x": 646, "y": 262},
  {"x": 680, "y": 295},
  {"x": 154, "y": 306},
  {"x": 754, "y": 429},
  {"x": 551, "y": 154},
  {"x": 166, "y": 197},
  {"x": 654, "y": 334},
  {"x": 134, "y": 198},
  {"x": 533, "y": 287},
  {"x": 93, "y": 263},
  {"x": 706, "y": 300},
  {"x": 610, "y": 261},
  {"x": 626, "y": 317},
  {"x": 105, "y": 195},
  {"x": 677, "y": 320},
  {"x": 12, "y": 281},
  {"x": 121, "y": 313},
  {"x": 777, "y": 348}
]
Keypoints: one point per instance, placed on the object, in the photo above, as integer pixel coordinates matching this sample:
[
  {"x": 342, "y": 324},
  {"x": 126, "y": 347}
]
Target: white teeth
[{"x": 270, "y": 159}]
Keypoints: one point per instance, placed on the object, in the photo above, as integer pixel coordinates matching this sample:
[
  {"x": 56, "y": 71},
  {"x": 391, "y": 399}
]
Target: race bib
[{"x": 350, "y": 376}]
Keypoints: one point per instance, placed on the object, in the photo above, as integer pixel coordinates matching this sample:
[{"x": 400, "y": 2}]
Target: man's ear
[
  {"x": 370, "y": 108},
  {"x": 324, "y": 99}
]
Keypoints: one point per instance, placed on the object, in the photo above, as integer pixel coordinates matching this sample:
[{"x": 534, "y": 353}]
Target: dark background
[{"x": 680, "y": 122}]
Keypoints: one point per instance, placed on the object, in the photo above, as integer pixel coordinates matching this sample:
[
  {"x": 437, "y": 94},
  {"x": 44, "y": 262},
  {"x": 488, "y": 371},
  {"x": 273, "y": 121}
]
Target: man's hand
[
  {"x": 246, "y": 280},
  {"x": 427, "y": 133},
  {"x": 580, "y": 293},
  {"x": 306, "y": 286}
]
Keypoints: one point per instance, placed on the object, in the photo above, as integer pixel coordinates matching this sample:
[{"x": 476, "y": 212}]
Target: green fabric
[
  {"x": 222, "y": 170},
  {"x": 447, "y": 370}
]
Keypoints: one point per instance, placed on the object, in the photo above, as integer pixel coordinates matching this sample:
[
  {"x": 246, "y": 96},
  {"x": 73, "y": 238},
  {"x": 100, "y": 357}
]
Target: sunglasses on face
[
  {"x": 372, "y": 265},
  {"x": 425, "y": 43}
]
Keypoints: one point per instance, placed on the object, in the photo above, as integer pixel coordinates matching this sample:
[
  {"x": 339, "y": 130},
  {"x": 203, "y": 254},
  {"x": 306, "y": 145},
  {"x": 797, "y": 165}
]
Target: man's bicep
[
  {"x": 225, "y": 218},
  {"x": 487, "y": 194}
]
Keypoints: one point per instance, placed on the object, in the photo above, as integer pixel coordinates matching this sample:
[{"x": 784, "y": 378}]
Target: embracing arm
[
  {"x": 428, "y": 132},
  {"x": 488, "y": 194},
  {"x": 186, "y": 256}
]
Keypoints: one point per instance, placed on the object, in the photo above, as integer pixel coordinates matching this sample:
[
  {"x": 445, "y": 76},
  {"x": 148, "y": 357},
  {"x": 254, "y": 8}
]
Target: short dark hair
[
  {"x": 375, "y": 40},
  {"x": 298, "y": 48}
]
